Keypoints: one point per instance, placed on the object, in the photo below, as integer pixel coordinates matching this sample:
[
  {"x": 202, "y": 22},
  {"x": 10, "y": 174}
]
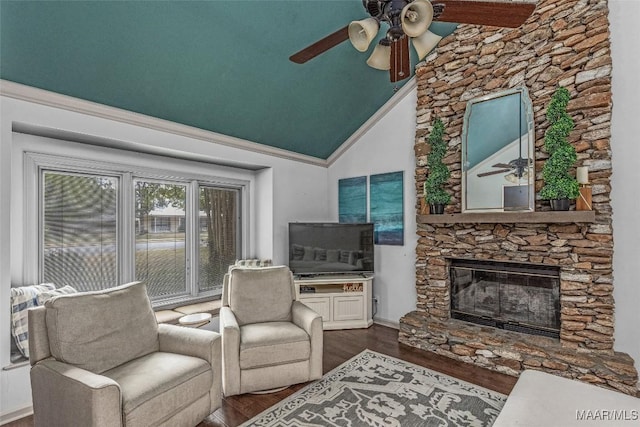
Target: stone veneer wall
[{"x": 565, "y": 43}]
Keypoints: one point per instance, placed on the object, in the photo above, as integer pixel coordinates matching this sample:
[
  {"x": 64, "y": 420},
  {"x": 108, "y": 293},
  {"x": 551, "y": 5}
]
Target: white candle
[{"x": 582, "y": 174}]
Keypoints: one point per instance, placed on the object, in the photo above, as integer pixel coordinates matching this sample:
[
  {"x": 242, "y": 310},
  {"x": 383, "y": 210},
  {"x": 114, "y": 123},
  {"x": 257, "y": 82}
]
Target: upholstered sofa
[
  {"x": 101, "y": 359},
  {"x": 269, "y": 340}
]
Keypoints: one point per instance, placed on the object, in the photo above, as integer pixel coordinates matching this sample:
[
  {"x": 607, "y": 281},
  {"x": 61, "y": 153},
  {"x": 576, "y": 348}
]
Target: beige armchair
[
  {"x": 269, "y": 340},
  {"x": 100, "y": 359}
]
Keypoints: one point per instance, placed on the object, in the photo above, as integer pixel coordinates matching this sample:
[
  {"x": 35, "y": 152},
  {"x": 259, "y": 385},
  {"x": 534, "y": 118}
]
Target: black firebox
[{"x": 513, "y": 296}]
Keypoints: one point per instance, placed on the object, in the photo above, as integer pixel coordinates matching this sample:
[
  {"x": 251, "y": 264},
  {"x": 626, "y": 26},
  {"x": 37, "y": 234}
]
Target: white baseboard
[
  {"x": 6, "y": 418},
  {"x": 385, "y": 322}
]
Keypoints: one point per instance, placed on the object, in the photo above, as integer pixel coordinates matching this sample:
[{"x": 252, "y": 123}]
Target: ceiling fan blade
[
  {"x": 494, "y": 13},
  {"x": 399, "y": 61},
  {"x": 321, "y": 46},
  {"x": 501, "y": 165},
  {"x": 480, "y": 175}
]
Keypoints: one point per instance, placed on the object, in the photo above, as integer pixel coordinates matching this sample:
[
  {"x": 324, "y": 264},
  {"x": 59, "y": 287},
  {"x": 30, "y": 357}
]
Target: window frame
[{"x": 119, "y": 165}]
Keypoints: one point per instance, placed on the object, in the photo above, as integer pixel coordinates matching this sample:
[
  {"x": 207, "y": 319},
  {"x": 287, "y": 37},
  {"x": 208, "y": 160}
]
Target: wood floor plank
[{"x": 340, "y": 346}]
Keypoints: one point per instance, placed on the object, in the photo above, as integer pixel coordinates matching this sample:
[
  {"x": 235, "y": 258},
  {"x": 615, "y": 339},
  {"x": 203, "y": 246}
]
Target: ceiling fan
[
  {"x": 519, "y": 167},
  {"x": 411, "y": 19}
]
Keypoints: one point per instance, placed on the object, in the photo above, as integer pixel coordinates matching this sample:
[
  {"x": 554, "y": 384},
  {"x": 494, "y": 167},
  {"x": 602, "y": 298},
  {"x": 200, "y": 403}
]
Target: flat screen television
[{"x": 330, "y": 248}]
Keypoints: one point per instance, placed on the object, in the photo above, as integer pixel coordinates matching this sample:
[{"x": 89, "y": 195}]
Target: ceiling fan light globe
[
  {"x": 362, "y": 32},
  {"x": 512, "y": 178},
  {"x": 515, "y": 179},
  {"x": 425, "y": 43},
  {"x": 380, "y": 59},
  {"x": 416, "y": 17}
]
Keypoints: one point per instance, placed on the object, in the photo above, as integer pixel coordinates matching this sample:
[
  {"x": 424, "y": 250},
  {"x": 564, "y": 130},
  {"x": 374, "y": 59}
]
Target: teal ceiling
[{"x": 221, "y": 66}]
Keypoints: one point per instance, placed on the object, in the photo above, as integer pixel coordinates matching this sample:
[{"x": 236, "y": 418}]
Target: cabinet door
[
  {"x": 321, "y": 305},
  {"x": 348, "y": 307}
]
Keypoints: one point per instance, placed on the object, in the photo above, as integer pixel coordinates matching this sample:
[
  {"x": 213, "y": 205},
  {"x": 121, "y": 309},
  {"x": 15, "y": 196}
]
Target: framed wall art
[
  {"x": 352, "y": 199},
  {"x": 386, "y": 207}
]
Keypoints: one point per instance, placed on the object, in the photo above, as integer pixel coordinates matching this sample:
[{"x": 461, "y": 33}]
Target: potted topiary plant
[
  {"x": 439, "y": 174},
  {"x": 559, "y": 186}
]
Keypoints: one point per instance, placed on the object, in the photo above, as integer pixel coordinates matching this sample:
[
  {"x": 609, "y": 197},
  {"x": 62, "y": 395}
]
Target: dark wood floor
[{"x": 340, "y": 346}]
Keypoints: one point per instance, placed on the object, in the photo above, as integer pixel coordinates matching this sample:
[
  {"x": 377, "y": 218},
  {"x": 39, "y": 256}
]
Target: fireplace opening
[{"x": 513, "y": 296}]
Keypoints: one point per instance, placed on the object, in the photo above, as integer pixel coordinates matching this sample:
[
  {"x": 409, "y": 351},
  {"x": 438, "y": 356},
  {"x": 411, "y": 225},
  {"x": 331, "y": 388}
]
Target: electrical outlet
[{"x": 376, "y": 299}]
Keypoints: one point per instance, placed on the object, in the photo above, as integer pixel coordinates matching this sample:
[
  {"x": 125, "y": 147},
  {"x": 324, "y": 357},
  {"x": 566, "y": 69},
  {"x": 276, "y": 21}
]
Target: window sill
[
  {"x": 546, "y": 217},
  {"x": 16, "y": 365},
  {"x": 211, "y": 306}
]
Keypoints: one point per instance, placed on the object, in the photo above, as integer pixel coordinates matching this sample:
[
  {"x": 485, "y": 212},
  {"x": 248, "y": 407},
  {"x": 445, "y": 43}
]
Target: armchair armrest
[
  {"x": 197, "y": 343},
  {"x": 306, "y": 318},
  {"x": 88, "y": 398},
  {"x": 311, "y": 322},
  {"x": 191, "y": 342},
  {"x": 230, "y": 331}
]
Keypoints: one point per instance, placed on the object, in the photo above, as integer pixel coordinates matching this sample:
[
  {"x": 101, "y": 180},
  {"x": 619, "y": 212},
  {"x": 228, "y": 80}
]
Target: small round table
[{"x": 195, "y": 320}]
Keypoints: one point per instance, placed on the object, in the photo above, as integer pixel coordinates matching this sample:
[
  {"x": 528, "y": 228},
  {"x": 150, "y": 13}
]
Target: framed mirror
[{"x": 498, "y": 144}]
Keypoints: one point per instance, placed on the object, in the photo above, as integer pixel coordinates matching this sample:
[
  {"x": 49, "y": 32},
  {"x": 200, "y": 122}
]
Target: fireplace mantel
[{"x": 547, "y": 217}]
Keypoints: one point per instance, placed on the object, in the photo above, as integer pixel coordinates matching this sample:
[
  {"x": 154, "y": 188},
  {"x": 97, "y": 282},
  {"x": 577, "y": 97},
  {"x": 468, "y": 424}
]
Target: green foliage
[
  {"x": 438, "y": 172},
  {"x": 558, "y": 184}
]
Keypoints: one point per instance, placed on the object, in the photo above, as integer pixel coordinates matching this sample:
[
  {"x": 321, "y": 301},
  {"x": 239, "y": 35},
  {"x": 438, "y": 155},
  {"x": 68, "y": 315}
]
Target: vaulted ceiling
[{"x": 220, "y": 66}]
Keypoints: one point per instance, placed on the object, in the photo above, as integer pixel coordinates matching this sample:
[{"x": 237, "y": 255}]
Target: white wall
[
  {"x": 287, "y": 190},
  {"x": 387, "y": 147},
  {"x": 624, "y": 16}
]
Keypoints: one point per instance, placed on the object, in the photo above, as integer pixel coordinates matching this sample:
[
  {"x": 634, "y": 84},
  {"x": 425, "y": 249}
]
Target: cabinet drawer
[
  {"x": 348, "y": 307},
  {"x": 321, "y": 305}
]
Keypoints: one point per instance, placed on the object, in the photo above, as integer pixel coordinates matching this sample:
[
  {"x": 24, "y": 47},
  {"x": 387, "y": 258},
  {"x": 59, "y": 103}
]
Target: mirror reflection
[{"x": 498, "y": 152}]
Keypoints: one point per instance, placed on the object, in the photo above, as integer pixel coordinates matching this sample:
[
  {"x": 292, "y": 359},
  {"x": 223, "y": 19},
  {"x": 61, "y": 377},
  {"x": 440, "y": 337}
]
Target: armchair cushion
[
  {"x": 124, "y": 328},
  {"x": 252, "y": 304},
  {"x": 158, "y": 384},
  {"x": 272, "y": 343}
]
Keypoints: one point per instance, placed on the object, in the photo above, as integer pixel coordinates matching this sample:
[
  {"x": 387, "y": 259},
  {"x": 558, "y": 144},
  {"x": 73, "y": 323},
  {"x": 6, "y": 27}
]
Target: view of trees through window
[
  {"x": 218, "y": 241},
  {"x": 81, "y": 235}
]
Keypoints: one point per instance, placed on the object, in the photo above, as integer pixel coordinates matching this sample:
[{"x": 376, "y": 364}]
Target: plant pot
[
  {"x": 437, "y": 209},
  {"x": 559, "y": 204}
]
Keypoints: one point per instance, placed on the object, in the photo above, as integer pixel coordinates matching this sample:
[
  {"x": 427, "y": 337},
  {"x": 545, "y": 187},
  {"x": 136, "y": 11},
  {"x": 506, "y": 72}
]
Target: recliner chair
[
  {"x": 101, "y": 359},
  {"x": 269, "y": 340}
]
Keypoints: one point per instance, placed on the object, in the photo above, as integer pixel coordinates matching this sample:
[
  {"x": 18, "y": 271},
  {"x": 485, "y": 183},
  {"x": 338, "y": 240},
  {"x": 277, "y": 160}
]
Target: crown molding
[
  {"x": 56, "y": 100},
  {"x": 366, "y": 126}
]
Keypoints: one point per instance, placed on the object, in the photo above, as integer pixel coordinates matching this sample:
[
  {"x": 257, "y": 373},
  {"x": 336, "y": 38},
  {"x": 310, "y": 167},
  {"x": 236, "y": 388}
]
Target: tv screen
[{"x": 330, "y": 248}]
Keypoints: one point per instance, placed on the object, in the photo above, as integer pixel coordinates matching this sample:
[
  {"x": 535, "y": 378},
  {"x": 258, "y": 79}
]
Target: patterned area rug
[{"x": 372, "y": 389}]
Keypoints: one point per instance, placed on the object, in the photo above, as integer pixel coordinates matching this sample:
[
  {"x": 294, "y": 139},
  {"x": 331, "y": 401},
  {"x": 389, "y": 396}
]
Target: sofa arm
[
  {"x": 88, "y": 399},
  {"x": 190, "y": 342},
  {"x": 311, "y": 322},
  {"x": 230, "y": 331}
]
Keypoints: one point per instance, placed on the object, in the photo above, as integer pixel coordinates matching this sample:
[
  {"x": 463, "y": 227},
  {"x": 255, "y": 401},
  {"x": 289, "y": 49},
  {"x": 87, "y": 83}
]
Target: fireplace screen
[{"x": 506, "y": 295}]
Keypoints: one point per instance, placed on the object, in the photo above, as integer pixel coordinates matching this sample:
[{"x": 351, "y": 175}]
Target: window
[
  {"x": 80, "y": 230},
  {"x": 105, "y": 224},
  {"x": 160, "y": 252},
  {"x": 219, "y": 239}
]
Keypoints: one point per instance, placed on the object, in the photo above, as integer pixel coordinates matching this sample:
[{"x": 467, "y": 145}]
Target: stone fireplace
[{"x": 565, "y": 43}]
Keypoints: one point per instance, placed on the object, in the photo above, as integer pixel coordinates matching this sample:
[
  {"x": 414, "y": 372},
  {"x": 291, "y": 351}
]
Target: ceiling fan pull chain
[{"x": 401, "y": 73}]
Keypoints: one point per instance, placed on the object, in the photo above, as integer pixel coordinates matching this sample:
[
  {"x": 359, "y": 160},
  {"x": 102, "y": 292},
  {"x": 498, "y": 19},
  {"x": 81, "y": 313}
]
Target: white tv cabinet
[{"x": 343, "y": 301}]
